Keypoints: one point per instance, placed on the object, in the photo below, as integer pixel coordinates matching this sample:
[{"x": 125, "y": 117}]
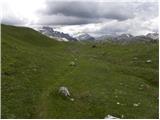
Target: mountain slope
[
  {"x": 83, "y": 36},
  {"x": 48, "y": 31},
  {"x": 153, "y": 36},
  {"x": 107, "y": 79}
]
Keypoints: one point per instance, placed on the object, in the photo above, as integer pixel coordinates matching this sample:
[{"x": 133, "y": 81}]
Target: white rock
[
  {"x": 136, "y": 104},
  {"x": 148, "y": 61},
  {"x": 118, "y": 103},
  {"x": 116, "y": 96},
  {"x": 64, "y": 91},
  {"x": 72, "y": 63},
  {"x": 122, "y": 116},
  {"x": 110, "y": 117},
  {"x": 72, "y": 99},
  {"x": 135, "y": 58}
]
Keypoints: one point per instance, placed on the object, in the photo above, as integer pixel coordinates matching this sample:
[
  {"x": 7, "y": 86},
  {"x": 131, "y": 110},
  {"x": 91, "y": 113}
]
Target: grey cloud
[
  {"x": 93, "y": 12},
  {"x": 134, "y": 26},
  {"x": 66, "y": 20},
  {"x": 77, "y": 9},
  {"x": 113, "y": 17},
  {"x": 90, "y": 10},
  {"x": 146, "y": 10}
]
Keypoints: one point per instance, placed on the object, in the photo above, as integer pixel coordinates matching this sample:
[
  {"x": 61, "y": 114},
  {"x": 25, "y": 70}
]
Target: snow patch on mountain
[
  {"x": 153, "y": 35},
  {"x": 60, "y": 36},
  {"x": 83, "y": 36}
]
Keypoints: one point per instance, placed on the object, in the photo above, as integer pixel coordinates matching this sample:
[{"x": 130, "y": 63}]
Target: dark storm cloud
[
  {"x": 89, "y": 12},
  {"x": 84, "y": 9},
  {"x": 66, "y": 20},
  {"x": 77, "y": 9}
]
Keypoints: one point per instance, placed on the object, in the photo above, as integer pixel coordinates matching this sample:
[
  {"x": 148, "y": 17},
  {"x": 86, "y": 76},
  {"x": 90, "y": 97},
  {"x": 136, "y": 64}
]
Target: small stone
[
  {"x": 136, "y": 104},
  {"x": 135, "y": 58},
  {"x": 72, "y": 99},
  {"x": 122, "y": 116},
  {"x": 116, "y": 96},
  {"x": 110, "y": 117},
  {"x": 64, "y": 91},
  {"x": 118, "y": 103},
  {"x": 140, "y": 88},
  {"x": 148, "y": 61},
  {"x": 72, "y": 63}
]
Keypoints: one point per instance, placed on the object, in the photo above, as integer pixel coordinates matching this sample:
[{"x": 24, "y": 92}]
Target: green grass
[{"x": 35, "y": 66}]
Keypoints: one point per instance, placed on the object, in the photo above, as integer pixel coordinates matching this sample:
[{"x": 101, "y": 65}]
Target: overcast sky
[{"x": 96, "y": 17}]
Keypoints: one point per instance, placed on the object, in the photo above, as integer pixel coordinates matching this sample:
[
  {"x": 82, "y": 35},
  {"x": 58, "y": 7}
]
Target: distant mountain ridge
[
  {"x": 129, "y": 37},
  {"x": 153, "y": 35},
  {"x": 83, "y": 36},
  {"x": 60, "y": 36},
  {"x": 48, "y": 31}
]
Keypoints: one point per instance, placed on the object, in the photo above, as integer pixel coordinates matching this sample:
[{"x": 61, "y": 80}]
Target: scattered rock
[
  {"x": 72, "y": 99},
  {"x": 75, "y": 59},
  {"x": 135, "y": 58},
  {"x": 148, "y": 61},
  {"x": 72, "y": 63},
  {"x": 64, "y": 91},
  {"x": 120, "y": 83},
  {"x": 136, "y": 104},
  {"x": 140, "y": 88},
  {"x": 116, "y": 96},
  {"x": 118, "y": 103},
  {"x": 110, "y": 117}
]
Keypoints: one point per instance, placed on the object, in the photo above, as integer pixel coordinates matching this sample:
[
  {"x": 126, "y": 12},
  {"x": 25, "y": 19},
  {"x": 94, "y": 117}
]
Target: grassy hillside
[{"x": 108, "y": 79}]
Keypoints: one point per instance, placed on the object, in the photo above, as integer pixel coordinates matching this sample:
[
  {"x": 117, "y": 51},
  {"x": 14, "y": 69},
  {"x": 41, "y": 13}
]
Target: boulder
[
  {"x": 148, "y": 61},
  {"x": 71, "y": 99},
  {"x": 110, "y": 117},
  {"x": 136, "y": 104},
  {"x": 72, "y": 63},
  {"x": 64, "y": 91},
  {"x": 135, "y": 58}
]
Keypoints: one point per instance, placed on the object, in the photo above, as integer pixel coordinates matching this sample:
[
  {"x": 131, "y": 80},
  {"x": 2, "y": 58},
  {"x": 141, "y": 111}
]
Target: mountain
[
  {"x": 106, "y": 37},
  {"x": 129, "y": 38},
  {"x": 116, "y": 37},
  {"x": 153, "y": 36},
  {"x": 60, "y": 36},
  {"x": 124, "y": 37},
  {"x": 83, "y": 36}
]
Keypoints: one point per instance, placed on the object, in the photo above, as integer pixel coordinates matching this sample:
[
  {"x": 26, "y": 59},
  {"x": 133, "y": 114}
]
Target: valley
[{"x": 107, "y": 78}]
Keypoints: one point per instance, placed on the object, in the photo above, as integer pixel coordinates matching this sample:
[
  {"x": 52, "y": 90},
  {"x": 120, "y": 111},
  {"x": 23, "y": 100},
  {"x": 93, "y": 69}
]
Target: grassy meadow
[{"x": 109, "y": 79}]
